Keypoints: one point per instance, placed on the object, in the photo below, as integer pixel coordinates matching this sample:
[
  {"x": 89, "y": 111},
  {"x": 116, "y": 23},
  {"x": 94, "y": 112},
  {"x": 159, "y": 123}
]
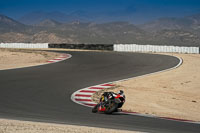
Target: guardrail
[
  {"x": 155, "y": 48},
  {"x": 24, "y": 45}
]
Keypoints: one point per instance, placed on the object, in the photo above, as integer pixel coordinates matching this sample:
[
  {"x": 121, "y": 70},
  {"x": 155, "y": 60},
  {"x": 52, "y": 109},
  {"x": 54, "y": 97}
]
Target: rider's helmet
[{"x": 121, "y": 92}]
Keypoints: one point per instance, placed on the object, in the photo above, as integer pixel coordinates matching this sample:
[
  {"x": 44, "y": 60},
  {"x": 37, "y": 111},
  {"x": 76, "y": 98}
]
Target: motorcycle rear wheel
[{"x": 111, "y": 108}]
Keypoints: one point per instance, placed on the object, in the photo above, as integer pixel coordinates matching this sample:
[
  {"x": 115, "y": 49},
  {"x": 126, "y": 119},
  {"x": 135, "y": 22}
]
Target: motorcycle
[{"x": 112, "y": 104}]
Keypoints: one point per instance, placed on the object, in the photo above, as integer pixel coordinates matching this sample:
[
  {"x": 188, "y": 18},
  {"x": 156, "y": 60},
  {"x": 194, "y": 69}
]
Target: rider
[
  {"x": 121, "y": 92},
  {"x": 104, "y": 100},
  {"x": 108, "y": 95}
]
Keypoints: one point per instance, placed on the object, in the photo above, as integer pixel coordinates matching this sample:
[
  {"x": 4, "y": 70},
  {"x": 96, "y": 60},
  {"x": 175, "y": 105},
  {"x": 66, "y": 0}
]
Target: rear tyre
[{"x": 111, "y": 108}]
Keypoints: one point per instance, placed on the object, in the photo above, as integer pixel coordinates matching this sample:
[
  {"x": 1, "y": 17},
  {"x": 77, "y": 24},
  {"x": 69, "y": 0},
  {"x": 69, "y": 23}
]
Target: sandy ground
[
  {"x": 16, "y": 58},
  {"x": 175, "y": 93},
  {"x": 64, "y": 49},
  {"x": 15, "y": 126}
]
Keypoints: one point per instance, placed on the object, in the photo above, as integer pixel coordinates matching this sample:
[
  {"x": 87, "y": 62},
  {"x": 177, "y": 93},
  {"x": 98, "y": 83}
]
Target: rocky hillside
[
  {"x": 9, "y": 25},
  {"x": 185, "y": 23},
  {"x": 179, "y": 31},
  {"x": 167, "y": 31}
]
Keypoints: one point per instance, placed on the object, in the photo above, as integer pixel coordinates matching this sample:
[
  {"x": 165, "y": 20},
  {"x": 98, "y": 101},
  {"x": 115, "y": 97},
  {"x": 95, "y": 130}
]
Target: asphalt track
[{"x": 42, "y": 93}]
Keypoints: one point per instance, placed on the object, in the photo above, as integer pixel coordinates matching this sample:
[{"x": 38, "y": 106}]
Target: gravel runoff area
[
  {"x": 174, "y": 93},
  {"x": 17, "y": 58}
]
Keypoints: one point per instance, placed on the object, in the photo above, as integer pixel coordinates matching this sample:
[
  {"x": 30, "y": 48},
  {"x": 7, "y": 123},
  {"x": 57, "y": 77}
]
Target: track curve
[{"x": 42, "y": 93}]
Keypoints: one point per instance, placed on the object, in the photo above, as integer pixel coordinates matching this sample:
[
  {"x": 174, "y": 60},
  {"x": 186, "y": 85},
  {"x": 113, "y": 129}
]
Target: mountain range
[
  {"x": 79, "y": 27},
  {"x": 78, "y": 15}
]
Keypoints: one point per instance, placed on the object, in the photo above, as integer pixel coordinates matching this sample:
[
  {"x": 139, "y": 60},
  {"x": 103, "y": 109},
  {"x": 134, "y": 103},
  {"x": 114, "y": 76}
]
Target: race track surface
[{"x": 42, "y": 93}]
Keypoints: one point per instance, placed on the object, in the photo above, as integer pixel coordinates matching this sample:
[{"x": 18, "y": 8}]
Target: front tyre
[{"x": 95, "y": 109}]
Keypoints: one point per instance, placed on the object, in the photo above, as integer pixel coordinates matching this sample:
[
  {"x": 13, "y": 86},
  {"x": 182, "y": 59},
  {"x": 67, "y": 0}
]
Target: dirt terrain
[
  {"x": 15, "y": 126},
  {"x": 174, "y": 93},
  {"x": 16, "y": 58}
]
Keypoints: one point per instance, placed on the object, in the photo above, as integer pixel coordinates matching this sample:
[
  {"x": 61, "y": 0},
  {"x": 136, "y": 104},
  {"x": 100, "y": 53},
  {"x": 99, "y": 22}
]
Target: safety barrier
[
  {"x": 155, "y": 48},
  {"x": 83, "y": 46},
  {"x": 24, "y": 45},
  {"x": 115, "y": 47}
]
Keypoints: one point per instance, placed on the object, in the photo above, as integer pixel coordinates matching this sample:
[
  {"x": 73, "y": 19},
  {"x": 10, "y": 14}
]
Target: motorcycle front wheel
[{"x": 95, "y": 109}]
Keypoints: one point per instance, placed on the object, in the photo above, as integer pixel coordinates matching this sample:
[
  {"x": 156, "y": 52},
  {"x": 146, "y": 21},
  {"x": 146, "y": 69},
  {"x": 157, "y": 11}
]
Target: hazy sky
[{"x": 148, "y": 9}]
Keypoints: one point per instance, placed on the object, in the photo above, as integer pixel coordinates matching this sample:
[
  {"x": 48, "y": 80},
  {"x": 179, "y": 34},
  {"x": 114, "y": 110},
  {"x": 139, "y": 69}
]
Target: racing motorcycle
[{"x": 110, "y": 102}]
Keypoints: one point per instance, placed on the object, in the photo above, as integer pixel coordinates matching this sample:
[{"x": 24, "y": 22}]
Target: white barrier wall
[
  {"x": 23, "y": 45},
  {"x": 154, "y": 48}
]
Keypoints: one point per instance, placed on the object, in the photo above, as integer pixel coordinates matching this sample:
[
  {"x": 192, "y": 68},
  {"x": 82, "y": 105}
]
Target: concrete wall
[
  {"x": 23, "y": 45},
  {"x": 154, "y": 48}
]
